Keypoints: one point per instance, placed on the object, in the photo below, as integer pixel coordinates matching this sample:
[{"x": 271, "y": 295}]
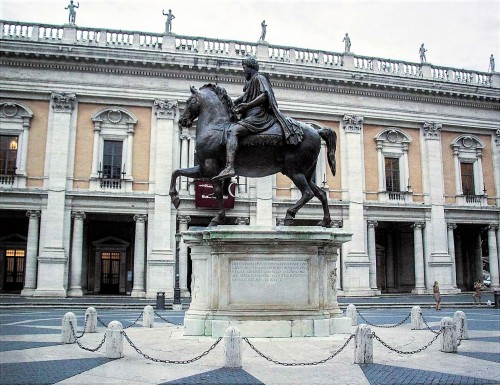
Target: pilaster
[{"x": 31, "y": 253}]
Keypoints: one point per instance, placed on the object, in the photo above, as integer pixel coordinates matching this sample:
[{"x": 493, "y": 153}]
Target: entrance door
[
  {"x": 14, "y": 269},
  {"x": 110, "y": 272}
]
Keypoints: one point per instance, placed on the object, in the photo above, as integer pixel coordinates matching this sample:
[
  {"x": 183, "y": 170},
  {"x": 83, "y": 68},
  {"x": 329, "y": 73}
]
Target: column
[
  {"x": 55, "y": 224},
  {"x": 31, "y": 253},
  {"x": 456, "y": 163},
  {"x": 459, "y": 264},
  {"x": 418, "y": 258},
  {"x": 356, "y": 262},
  {"x": 75, "y": 288},
  {"x": 439, "y": 264},
  {"x": 389, "y": 261},
  {"x": 161, "y": 259},
  {"x": 183, "y": 256},
  {"x": 372, "y": 254},
  {"x": 184, "y": 137},
  {"x": 478, "y": 259},
  {"x": 139, "y": 255},
  {"x": 493, "y": 255},
  {"x": 451, "y": 250}
]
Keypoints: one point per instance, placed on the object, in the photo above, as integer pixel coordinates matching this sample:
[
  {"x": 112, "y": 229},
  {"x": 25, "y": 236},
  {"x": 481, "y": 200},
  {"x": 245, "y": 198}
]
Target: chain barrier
[
  {"x": 84, "y": 347},
  {"x": 427, "y": 325},
  {"x": 171, "y": 361},
  {"x": 132, "y": 324},
  {"x": 410, "y": 352},
  {"x": 84, "y": 328},
  {"x": 385, "y": 326},
  {"x": 298, "y": 363},
  {"x": 166, "y": 320}
]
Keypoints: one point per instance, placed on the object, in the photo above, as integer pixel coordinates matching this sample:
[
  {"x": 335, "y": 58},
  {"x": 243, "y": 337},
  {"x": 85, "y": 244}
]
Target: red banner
[{"x": 205, "y": 195}]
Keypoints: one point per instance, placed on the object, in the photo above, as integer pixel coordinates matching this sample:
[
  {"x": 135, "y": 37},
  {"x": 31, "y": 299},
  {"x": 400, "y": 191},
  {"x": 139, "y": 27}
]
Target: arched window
[
  {"x": 15, "y": 120},
  {"x": 394, "y": 175},
  {"x": 112, "y": 154},
  {"x": 467, "y": 156}
]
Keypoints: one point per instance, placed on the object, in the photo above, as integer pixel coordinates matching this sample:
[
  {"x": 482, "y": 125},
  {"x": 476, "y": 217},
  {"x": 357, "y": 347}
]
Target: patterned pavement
[{"x": 31, "y": 353}]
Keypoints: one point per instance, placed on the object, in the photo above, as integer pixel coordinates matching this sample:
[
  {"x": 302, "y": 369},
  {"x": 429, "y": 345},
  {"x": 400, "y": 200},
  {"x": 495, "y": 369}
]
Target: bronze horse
[{"x": 214, "y": 110}]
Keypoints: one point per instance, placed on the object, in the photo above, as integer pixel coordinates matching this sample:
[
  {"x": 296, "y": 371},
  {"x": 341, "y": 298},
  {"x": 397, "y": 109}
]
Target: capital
[
  {"x": 140, "y": 218},
  {"x": 353, "y": 123},
  {"x": 242, "y": 221},
  {"x": 185, "y": 219},
  {"x": 451, "y": 226},
  {"x": 32, "y": 214},
  {"x": 63, "y": 102},
  {"x": 164, "y": 109},
  {"x": 372, "y": 224},
  {"x": 78, "y": 215},
  {"x": 338, "y": 224},
  {"x": 432, "y": 130},
  {"x": 497, "y": 139},
  {"x": 492, "y": 227},
  {"x": 418, "y": 225}
]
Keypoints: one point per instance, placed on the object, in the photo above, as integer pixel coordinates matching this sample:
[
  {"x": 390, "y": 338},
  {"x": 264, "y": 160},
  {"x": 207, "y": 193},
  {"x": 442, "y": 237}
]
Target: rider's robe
[{"x": 262, "y": 117}]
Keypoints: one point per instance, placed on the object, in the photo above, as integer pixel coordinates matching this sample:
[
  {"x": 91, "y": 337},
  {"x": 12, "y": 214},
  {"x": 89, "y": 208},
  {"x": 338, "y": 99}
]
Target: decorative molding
[
  {"x": 63, "y": 102},
  {"x": 33, "y": 214},
  {"x": 372, "y": 223},
  {"x": 432, "y": 130},
  {"x": 78, "y": 215},
  {"x": 338, "y": 224},
  {"x": 184, "y": 219},
  {"x": 242, "y": 221},
  {"x": 497, "y": 137},
  {"x": 451, "y": 226},
  {"x": 164, "y": 109},
  {"x": 418, "y": 225},
  {"x": 353, "y": 124},
  {"x": 140, "y": 218}
]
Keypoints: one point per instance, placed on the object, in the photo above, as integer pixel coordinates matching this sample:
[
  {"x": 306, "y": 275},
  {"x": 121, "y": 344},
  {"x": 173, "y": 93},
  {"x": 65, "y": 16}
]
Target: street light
[{"x": 177, "y": 289}]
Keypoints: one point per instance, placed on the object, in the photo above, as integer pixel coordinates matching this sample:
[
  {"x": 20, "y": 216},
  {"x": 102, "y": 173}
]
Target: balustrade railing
[{"x": 236, "y": 49}]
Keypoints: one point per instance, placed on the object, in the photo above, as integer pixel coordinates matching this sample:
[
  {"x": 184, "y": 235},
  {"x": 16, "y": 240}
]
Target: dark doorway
[
  {"x": 14, "y": 269},
  {"x": 110, "y": 272}
]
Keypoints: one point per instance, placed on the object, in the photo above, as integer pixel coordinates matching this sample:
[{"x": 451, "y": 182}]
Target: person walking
[
  {"x": 478, "y": 288},
  {"x": 437, "y": 295}
]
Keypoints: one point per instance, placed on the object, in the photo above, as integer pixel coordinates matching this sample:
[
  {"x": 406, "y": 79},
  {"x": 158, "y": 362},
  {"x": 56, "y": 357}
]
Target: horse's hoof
[
  {"x": 288, "y": 222},
  {"x": 326, "y": 224},
  {"x": 176, "y": 202}
]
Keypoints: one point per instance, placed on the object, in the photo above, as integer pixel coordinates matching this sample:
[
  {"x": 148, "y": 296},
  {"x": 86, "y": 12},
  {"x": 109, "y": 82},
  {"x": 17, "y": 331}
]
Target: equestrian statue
[{"x": 251, "y": 137}]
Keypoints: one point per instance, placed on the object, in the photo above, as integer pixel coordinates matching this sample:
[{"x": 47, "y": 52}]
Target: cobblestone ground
[{"x": 31, "y": 353}]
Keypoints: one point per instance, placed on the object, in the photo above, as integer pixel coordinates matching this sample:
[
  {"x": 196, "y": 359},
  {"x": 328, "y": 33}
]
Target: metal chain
[
  {"x": 132, "y": 324},
  {"x": 166, "y": 320},
  {"x": 171, "y": 361},
  {"x": 411, "y": 352},
  {"x": 298, "y": 363},
  {"x": 427, "y": 325},
  {"x": 384, "y": 326},
  {"x": 83, "y": 347},
  {"x": 84, "y": 328}
]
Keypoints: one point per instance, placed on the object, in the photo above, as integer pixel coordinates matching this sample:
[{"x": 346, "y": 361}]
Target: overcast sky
[{"x": 459, "y": 34}]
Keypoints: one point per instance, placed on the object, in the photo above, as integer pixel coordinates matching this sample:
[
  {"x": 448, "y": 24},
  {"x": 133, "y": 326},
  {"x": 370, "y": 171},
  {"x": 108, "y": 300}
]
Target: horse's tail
[{"x": 330, "y": 137}]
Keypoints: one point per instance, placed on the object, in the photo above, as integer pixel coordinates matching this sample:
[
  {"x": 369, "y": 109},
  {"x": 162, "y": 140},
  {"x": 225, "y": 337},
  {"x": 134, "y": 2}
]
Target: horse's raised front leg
[
  {"x": 191, "y": 172},
  {"x": 307, "y": 194},
  {"x": 220, "y": 218}
]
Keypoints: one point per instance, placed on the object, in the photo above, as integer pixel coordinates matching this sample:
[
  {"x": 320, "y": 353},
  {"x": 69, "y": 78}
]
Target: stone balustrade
[{"x": 232, "y": 49}]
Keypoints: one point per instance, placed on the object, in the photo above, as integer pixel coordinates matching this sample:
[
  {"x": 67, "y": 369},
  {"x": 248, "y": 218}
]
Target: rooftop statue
[
  {"x": 347, "y": 42},
  {"x": 263, "y": 26},
  {"x": 168, "y": 23},
  {"x": 252, "y": 138},
  {"x": 492, "y": 64},
  {"x": 422, "y": 52},
  {"x": 72, "y": 12}
]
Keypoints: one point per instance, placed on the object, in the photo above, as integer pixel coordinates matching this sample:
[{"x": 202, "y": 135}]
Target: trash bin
[
  {"x": 496, "y": 293},
  {"x": 160, "y": 300}
]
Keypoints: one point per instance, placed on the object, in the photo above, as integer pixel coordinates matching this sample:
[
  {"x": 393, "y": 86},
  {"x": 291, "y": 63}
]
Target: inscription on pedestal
[{"x": 269, "y": 281}]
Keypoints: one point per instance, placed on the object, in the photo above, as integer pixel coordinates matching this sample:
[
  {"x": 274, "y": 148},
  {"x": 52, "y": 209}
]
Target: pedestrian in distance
[
  {"x": 478, "y": 288},
  {"x": 437, "y": 295}
]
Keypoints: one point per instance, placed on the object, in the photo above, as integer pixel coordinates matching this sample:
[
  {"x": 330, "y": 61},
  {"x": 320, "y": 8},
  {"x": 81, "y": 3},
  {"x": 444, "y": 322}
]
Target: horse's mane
[{"x": 223, "y": 97}]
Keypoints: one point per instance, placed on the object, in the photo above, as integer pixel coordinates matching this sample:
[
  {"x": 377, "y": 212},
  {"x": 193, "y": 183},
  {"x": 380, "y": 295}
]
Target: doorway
[
  {"x": 110, "y": 272},
  {"x": 14, "y": 269}
]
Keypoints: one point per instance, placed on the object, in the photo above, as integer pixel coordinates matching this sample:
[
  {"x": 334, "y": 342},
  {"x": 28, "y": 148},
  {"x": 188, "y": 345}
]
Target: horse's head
[{"x": 192, "y": 110}]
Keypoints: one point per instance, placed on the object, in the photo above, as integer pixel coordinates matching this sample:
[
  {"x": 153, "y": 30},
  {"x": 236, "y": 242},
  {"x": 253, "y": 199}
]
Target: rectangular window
[
  {"x": 392, "y": 174},
  {"x": 8, "y": 154},
  {"x": 467, "y": 170},
  {"x": 112, "y": 159}
]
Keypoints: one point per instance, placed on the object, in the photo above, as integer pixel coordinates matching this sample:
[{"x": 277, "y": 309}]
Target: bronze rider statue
[{"x": 259, "y": 111}]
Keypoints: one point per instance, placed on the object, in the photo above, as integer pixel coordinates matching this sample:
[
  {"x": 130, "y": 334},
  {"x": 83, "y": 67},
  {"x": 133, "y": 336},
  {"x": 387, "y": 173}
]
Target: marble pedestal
[{"x": 266, "y": 281}]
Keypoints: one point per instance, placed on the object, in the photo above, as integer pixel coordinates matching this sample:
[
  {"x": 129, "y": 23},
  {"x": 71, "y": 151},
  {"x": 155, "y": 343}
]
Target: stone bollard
[
  {"x": 68, "y": 335},
  {"x": 148, "y": 317},
  {"x": 416, "y": 318},
  {"x": 462, "y": 328},
  {"x": 449, "y": 343},
  {"x": 90, "y": 320},
  {"x": 114, "y": 340},
  {"x": 352, "y": 314},
  {"x": 363, "y": 350},
  {"x": 232, "y": 348}
]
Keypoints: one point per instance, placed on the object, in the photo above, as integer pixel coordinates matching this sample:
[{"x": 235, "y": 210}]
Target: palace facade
[{"x": 89, "y": 137}]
